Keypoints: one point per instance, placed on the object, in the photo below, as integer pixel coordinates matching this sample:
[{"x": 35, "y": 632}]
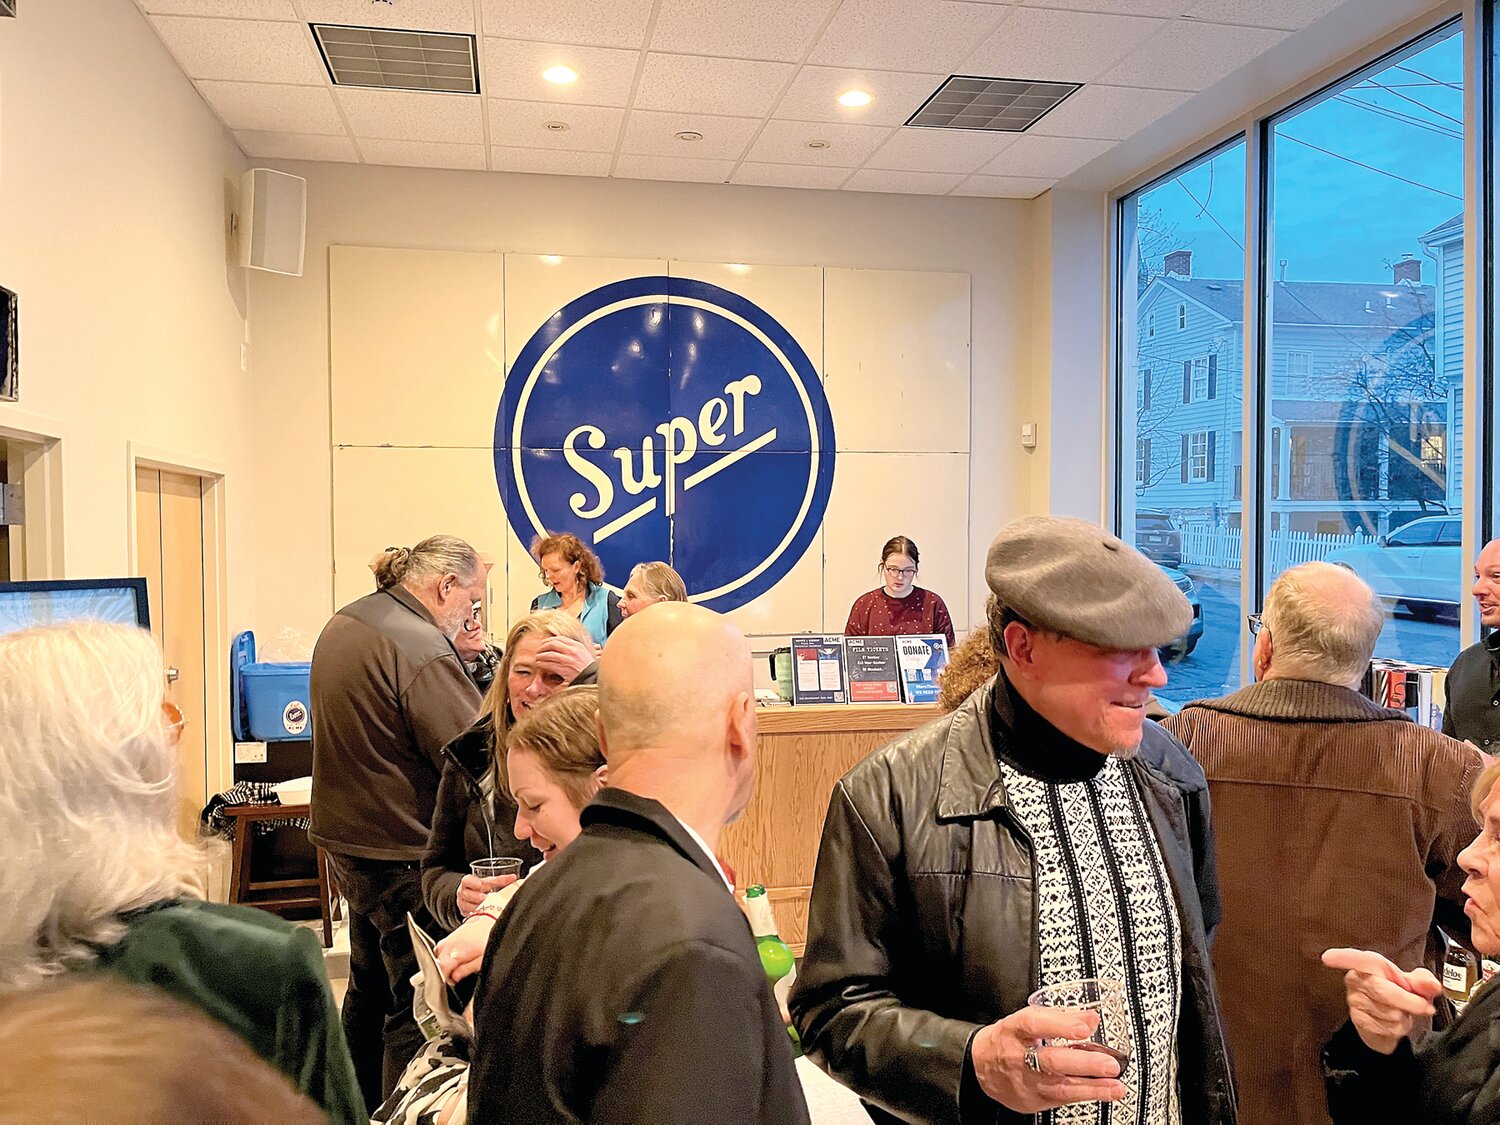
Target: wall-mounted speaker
[{"x": 272, "y": 221}]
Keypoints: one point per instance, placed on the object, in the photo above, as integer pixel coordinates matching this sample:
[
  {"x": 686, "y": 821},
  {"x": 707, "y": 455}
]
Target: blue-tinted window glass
[
  {"x": 1180, "y": 352},
  {"x": 1364, "y": 354}
]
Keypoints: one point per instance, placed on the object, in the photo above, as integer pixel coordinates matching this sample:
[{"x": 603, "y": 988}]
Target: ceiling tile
[
  {"x": 1191, "y": 56},
  {"x": 655, "y": 134},
  {"x": 922, "y": 35},
  {"x": 541, "y": 162},
  {"x": 1003, "y": 187},
  {"x": 813, "y": 95},
  {"x": 591, "y": 128},
  {"x": 273, "y": 109},
  {"x": 1046, "y": 157},
  {"x": 789, "y": 175},
  {"x": 907, "y": 183},
  {"x": 848, "y": 146},
  {"x": 1059, "y": 46},
  {"x": 295, "y": 146},
  {"x": 513, "y": 69},
  {"x": 939, "y": 150},
  {"x": 691, "y": 84},
  {"x": 1137, "y": 7},
  {"x": 779, "y": 30},
  {"x": 403, "y": 115},
  {"x": 596, "y": 23},
  {"x": 236, "y": 9},
  {"x": 673, "y": 168},
  {"x": 413, "y": 15},
  {"x": 1109, "y": 113},
  {"x": 242, "y": 50},
  {"x": 1288, "y": 15},
  {"x": 423, "y": 154}
]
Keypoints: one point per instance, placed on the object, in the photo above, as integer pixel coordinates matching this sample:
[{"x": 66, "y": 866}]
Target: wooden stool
[{"x": 279, "y": 896}]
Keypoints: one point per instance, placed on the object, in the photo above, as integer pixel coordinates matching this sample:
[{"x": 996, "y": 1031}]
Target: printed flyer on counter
[
  {"x": 818, "y": 669},
  {"x": 874, "y": 674},
  {"x": 922, "y": 658}
]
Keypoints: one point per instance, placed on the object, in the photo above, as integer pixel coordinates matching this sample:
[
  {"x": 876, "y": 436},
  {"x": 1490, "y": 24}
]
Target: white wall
[
  {"x": 396, "y": 207},
  {"x": 113, "y": 184}
]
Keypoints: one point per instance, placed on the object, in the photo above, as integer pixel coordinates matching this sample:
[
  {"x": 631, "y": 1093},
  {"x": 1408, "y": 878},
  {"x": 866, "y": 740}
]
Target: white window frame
[
  {"x": 1199, "y": 388},
  {"x": 1142, "y": 470},
  {"x": 1198, "y": 455},
  {"x": 1182, "y": 316}
]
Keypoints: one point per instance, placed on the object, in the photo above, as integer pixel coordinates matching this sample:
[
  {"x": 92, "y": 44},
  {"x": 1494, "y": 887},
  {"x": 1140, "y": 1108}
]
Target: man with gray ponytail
[{"x": 388, "y": 693}]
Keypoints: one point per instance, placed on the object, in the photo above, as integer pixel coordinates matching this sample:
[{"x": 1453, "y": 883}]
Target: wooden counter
[{"x": 803, "y": 751}]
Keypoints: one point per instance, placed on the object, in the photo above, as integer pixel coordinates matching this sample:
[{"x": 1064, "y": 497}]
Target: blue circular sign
[{"x": 664, "y": 418}]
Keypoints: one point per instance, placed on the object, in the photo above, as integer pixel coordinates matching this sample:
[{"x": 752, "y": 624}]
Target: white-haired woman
[{"x": 96, "y": 879}]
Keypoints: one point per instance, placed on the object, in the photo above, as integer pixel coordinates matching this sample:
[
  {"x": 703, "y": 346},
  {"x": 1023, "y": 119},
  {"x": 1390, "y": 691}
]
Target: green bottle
[{"x": 775, "y": 957}]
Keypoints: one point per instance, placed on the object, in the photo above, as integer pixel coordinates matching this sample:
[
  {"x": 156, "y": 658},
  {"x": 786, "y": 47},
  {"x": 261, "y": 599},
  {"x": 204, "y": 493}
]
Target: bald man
[
  {"x": 623, "y": 985},
  {"x": 1339, "y": 823},
  {"x": 1472, "y": 710}
]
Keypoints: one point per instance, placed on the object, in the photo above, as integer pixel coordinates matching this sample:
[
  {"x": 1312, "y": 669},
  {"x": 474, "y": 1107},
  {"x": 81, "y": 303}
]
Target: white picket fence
[{"x": 1220, "y": 547}]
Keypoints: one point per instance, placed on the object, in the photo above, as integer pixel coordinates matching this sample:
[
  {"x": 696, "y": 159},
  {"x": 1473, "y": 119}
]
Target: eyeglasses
[
  {"x": 899, "y": 571},
  {"x": 172, "y": 719},
  {"x": 1256, "y": 622}
]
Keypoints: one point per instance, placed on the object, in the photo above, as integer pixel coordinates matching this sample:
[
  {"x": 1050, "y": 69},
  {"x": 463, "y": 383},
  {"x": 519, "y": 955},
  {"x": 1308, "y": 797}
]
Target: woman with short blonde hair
[
  {"x": 649, "y": 583},
  {"x": 472, "y": 814}
]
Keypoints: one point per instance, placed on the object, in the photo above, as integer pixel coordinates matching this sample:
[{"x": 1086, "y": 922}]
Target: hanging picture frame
[{"x": 10, "y": 366}]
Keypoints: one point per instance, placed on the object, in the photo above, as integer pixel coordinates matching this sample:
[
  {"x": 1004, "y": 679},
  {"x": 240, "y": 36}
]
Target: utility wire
[{"x": 1368, "y": 167}]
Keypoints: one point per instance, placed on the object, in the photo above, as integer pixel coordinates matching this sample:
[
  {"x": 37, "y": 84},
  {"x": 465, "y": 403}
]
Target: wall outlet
[{"x": 249, "y": 753}]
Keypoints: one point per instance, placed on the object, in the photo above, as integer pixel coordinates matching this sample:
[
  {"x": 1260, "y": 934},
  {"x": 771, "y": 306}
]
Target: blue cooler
[{"x": 270, "y": 700}]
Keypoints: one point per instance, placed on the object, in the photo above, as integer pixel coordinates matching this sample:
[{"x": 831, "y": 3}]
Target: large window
[
  {"x": 1364, "y": 271},
  {"x": 1182, "y": 256}
]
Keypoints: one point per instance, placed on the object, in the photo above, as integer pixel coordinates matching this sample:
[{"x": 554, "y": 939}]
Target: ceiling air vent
[
  {"x": 993, "y": 105},
  {"x": 383, "y": 59}
]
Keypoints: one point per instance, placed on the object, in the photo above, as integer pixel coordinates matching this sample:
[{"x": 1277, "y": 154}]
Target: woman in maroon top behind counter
[{"x": 900, "y": 607}]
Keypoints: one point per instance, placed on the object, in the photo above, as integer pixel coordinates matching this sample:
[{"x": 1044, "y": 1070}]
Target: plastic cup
[
  {"x": 492, "y": 867},
  {"x": 1096, "y": 994}
]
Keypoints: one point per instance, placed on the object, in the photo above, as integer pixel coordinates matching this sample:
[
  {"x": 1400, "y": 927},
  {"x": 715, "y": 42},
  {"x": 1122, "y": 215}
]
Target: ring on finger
[{"x": 1033, "y": 1062}]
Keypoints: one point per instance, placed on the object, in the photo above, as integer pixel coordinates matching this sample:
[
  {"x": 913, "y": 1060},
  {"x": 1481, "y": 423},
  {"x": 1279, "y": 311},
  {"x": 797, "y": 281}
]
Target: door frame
[
  {"x": 41, "y": 484},
  {"x": 219, "y": 767}
]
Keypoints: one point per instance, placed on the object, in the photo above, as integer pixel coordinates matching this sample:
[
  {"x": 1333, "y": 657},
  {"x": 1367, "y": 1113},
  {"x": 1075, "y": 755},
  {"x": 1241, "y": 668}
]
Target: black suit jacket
[{"x": 623, "y": 985}]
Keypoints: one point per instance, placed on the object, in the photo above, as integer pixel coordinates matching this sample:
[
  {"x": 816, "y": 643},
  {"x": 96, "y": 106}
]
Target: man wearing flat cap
[{"x": 1043, "y": 832}]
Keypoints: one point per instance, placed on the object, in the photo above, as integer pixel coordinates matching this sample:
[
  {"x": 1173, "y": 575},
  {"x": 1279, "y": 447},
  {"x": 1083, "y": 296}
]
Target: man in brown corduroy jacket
[{"x": 1339, "y": 823}]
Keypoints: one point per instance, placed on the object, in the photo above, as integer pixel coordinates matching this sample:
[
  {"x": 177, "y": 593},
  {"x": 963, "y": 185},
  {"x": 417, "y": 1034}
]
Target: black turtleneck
[{"x": 1031, "y": 744}]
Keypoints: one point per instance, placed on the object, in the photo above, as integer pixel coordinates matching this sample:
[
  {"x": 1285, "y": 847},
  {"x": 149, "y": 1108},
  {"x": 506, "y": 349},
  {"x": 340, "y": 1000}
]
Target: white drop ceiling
[{"x": 758, "y": 79}]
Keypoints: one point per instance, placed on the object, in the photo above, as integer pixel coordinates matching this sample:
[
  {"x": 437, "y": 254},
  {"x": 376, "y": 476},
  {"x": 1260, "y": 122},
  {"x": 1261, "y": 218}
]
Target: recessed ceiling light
[
  {"x": 689, "y": 135},
  {"x": 560, "y": 75},
  {"x": 552, "y": 259},
  {"x": 855, "y": 99},
  {"x": 817, "y": 144},
  {"x": 556, "y": 126}
]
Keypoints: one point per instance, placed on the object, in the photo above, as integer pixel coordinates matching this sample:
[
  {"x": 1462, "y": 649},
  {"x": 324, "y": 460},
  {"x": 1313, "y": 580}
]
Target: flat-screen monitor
[{"x": 27, "y": 604}]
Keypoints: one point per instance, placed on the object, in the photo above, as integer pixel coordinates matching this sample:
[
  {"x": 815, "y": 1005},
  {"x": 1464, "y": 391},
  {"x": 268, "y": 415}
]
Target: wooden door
[{"x": 170, "y": 556}]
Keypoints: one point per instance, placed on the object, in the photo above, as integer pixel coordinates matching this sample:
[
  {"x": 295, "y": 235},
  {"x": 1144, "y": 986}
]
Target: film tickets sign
[{"x": 666, "y": 418}]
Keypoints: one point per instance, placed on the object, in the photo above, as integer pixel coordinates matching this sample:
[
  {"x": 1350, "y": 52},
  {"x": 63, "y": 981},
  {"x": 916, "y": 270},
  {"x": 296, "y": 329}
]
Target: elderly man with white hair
[{"x": 1339, "y": 823}]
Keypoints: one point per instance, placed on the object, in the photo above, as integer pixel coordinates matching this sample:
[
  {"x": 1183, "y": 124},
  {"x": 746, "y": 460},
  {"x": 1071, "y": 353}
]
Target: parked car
[
  {"x": 1179, "y": 649},
  {"x": 1157, "y": 537},
  {"x": 1419, "y": 565}
]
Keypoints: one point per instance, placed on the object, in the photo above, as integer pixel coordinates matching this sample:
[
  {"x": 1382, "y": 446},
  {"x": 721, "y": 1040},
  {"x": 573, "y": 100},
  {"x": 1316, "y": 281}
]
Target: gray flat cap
[{"x": 1075, "y": 578}]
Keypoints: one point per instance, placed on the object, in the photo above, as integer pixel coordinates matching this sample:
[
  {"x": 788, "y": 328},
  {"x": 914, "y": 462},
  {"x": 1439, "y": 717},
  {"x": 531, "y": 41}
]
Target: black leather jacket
[
  {"x": 922, "y": 925},
  {"x": 465, "y": 825}
]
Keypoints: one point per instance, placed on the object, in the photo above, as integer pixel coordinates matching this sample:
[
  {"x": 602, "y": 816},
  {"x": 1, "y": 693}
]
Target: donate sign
[{"x": 664, "y": 418}]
